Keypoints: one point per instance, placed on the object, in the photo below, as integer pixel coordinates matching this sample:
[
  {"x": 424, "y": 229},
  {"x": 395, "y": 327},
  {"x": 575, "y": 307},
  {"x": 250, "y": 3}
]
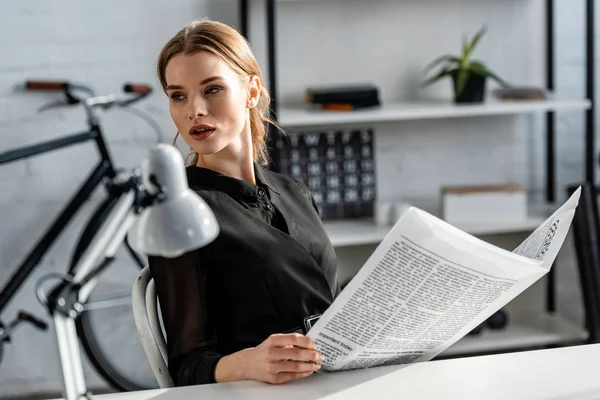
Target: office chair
[{"x": 145, "y": 312}]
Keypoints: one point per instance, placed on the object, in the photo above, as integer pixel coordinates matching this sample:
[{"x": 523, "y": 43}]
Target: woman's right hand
[{"x": 281, "y": 358}]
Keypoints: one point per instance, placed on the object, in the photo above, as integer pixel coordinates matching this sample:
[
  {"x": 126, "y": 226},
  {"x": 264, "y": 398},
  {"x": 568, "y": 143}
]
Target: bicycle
[{"x": 76, "y": 303}]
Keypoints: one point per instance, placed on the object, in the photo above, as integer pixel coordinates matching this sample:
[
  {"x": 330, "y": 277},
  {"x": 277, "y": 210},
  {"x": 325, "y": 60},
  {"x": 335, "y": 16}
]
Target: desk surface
[{"x": 567, "y": 373}]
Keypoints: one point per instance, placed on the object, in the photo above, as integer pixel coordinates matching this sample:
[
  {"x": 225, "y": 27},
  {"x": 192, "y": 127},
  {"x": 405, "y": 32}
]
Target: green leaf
[
  {"x": 461, "y": 81},
  {"x": 476, "y": 40},
  {"x": 478, "y": 68},
  {"x": 465, "y": 44},
  {"x": 444, "y": 72},
  {"x": 439, "y": 60}
]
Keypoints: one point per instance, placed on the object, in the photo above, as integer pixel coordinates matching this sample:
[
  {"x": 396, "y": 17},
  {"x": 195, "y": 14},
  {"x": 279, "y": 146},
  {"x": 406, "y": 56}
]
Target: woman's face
[{"x": 209, "y": 101}]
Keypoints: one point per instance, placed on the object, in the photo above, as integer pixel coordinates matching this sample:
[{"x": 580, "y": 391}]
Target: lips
[{"x": 201, "y": 132}]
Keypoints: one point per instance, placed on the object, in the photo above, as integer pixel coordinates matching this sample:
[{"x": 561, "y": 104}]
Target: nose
[{"x": 197, "y": 108}]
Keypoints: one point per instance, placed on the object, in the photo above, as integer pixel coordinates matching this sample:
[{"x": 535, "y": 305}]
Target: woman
[{"x": 227, "y": 307}]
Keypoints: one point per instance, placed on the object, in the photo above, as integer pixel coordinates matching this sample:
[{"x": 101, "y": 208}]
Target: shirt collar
[
  {"x": 262, "y": 176},
  {"x": 236, "y": 188}
]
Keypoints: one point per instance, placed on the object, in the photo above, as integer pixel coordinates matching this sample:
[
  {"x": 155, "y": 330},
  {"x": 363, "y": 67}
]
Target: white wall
[{"x": 383, "y": 41}]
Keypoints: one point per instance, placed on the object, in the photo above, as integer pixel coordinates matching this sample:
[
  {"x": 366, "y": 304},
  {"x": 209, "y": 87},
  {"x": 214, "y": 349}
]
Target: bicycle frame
[{"x": 104, "y": 169}]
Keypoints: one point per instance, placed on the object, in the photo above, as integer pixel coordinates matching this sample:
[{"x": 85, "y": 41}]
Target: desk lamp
[
  {"x": 162, "y": 217},
  {"x": 178, "y": 220}
]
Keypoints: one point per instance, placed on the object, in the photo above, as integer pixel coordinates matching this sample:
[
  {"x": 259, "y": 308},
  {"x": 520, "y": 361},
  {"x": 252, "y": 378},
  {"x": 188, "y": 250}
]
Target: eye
[
  {"x": 213, "y": 90},
  {"x": 177, "y": 96}
]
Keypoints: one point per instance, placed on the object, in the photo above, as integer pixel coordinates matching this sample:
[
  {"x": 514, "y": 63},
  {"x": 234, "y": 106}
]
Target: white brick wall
[{"x": 107, "y": 43}]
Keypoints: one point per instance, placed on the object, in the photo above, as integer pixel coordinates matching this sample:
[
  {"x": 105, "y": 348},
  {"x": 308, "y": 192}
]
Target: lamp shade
[{"x": 179, "y": 220}]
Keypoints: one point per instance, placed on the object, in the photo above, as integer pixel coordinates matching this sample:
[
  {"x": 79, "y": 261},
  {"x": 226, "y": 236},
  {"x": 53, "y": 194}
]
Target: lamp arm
[
  {"x": 87, "y": 281},
  {"x": 126, "y": 214}
]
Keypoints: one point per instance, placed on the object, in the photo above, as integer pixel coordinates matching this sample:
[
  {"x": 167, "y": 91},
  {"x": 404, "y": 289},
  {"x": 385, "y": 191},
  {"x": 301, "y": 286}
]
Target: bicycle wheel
[{"x": 107, "y": 331}]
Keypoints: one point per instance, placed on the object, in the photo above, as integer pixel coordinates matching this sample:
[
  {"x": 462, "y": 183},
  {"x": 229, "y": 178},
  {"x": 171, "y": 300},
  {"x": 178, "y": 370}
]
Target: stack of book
[
  {"x": 343, "y": 98},
  {"x": 521, "y": 93}
]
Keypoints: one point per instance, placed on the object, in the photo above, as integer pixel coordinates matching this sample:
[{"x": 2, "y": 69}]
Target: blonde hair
[{"x": 230, "y": 46}]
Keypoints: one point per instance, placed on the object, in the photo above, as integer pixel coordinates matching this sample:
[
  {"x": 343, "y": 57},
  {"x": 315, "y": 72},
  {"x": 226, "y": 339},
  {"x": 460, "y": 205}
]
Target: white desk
[{"x": 567, "y": 373}]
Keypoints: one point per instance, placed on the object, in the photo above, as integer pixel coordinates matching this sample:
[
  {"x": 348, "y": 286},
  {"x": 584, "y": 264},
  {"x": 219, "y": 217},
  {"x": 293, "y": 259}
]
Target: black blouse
[{"x": 271, "y": 266}]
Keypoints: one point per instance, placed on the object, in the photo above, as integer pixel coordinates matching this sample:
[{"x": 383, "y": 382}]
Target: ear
[{"x": 254, "y": 87}]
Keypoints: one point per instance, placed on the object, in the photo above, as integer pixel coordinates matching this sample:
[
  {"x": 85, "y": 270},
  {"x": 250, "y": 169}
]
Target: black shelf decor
[{"x": 338, "y": 166}]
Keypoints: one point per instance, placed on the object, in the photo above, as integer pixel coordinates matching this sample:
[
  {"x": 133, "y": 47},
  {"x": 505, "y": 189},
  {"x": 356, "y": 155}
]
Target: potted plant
[{"x": 468, "y": 75}]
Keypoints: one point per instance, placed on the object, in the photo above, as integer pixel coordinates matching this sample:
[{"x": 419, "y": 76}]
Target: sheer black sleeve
[{"x": 181, "y": 289}]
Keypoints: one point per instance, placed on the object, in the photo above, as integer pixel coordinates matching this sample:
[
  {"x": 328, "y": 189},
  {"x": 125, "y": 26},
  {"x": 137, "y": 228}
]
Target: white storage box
[{"x": 478, "y": 204}]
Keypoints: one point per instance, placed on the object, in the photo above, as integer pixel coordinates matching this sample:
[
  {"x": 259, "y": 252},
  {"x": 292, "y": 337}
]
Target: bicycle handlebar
[
  {"x": 46, "y": 85},
  {"x": 73, "y": 97},
  {"x": 78, "y": 94},
  {"x": 137, "y": 88}
]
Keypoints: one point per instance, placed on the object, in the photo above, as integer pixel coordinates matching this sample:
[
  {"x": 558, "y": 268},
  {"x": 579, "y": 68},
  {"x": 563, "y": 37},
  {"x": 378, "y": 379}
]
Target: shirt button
[
  {"x": 261, "y": 192},
  {"x": 269, "y": 207}
]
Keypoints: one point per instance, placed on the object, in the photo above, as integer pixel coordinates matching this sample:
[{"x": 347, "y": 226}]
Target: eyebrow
[{"x": 204, "y": 82}]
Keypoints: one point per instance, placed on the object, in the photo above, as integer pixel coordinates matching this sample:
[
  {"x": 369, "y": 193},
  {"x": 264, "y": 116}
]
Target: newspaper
[{"x": 426, "y": 286}]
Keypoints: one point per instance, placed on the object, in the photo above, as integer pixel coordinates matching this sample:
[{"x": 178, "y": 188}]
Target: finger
[
  {"x": 293, "y": 339},
  {"x": 297, "y": 354},
  {"x": 295, "y": 366},
  {"x": 289, "y": 376}
]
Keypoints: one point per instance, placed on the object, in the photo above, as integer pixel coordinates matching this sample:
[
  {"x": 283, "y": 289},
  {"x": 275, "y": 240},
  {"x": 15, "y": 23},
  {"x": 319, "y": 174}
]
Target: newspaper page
[
  {"x": 545, "y": 242},
  {"x": 426, "y": 286}
]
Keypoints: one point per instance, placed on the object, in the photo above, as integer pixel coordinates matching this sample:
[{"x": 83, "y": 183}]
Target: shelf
[
  {"x": 524, "y": 332},
  {"x": 306, "y": 117},
  {"x": 355, "y": 232},
  {"x": 365, "y": 231}
]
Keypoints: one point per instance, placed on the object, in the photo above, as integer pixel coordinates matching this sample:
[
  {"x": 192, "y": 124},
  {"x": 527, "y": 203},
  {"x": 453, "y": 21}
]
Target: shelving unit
[
  {"x": 426, "y": 110},
  {"x": 364, "y": 231},
  {"x": 360, "y": 232},
  {"x": 526, "y": 331},
  {"x": 297, "y": 116}
]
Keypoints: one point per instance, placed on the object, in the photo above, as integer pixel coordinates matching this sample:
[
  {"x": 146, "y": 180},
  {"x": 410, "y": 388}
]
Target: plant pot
[{"x": 473, "y": 91}]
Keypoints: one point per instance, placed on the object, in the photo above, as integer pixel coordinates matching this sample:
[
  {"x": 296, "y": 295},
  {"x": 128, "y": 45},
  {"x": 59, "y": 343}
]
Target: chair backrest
[{"x": 146, "y": 315}]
